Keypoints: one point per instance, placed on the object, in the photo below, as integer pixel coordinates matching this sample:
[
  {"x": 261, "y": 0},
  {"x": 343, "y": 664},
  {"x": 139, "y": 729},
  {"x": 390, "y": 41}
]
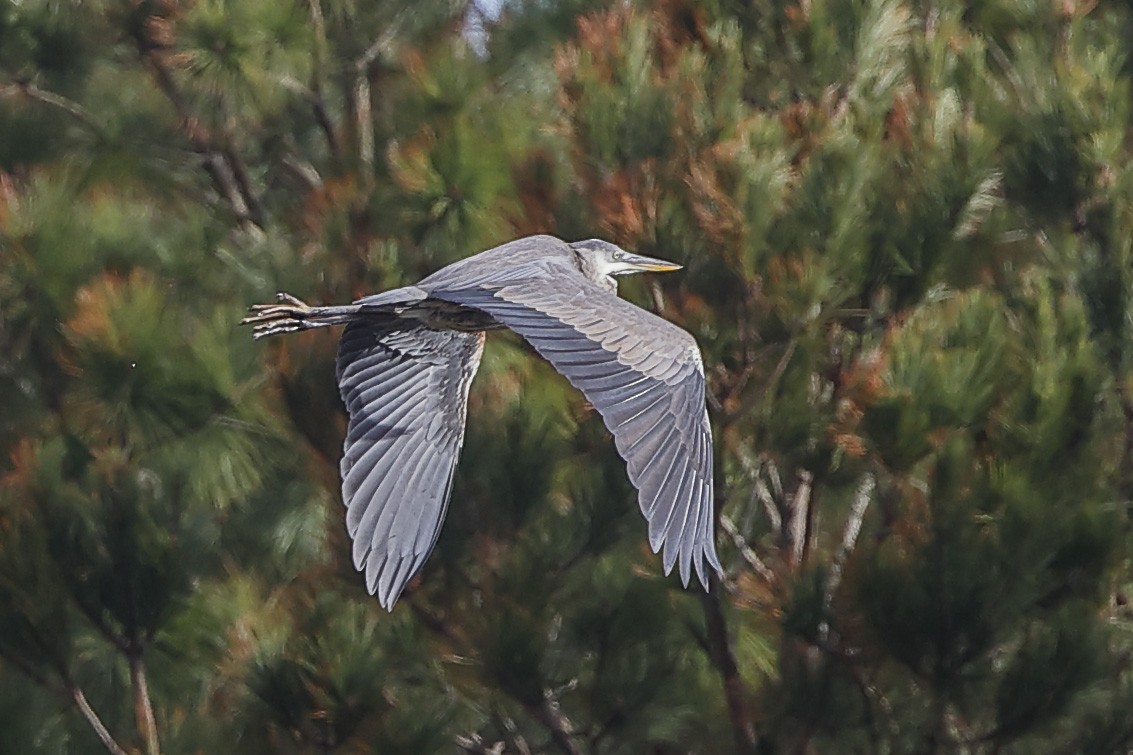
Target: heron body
[{"x": 407, "y": 357}]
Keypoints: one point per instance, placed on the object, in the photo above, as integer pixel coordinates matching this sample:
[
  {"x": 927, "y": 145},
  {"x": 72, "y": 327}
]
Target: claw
[{"x": 288, "y": 298}]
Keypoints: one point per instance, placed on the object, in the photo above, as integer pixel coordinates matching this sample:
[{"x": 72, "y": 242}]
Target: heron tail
[{"x": 290, "y": 314}]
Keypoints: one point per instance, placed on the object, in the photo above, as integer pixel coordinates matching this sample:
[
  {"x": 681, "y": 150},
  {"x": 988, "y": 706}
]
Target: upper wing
[
  {"x": 645, "y": 377},
  {"x": 406, "y": 391}
]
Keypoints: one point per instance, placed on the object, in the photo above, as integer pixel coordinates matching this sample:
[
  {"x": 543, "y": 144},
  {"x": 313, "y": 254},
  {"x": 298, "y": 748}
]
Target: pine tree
[
  {"x": 920, "y": 438},
  {"x": 905, "y": 229}
]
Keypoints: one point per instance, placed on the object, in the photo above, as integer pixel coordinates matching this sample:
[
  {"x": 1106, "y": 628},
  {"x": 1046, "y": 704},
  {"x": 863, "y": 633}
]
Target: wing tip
[
  {"x": 690, "y": 563},
  {"x": 387, "y": 597},
  {"x": 388, "y": 575}
]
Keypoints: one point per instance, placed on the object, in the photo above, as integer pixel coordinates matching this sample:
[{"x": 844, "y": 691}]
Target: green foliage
[{"x": 906, "y": 230}]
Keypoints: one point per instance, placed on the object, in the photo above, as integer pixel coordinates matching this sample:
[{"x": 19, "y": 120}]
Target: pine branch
[
  {"x": 74, "y": 109},
  {"x": 318, "y": 100},
  {"x": 363, "y": 122},
  {"x": 763, "y": 494},
  {"x": 474, "y": 744},
  {"x": 362, "y": 104},
  {"x": 70, "y": 691},
  {"x": 798, "y": 530},
  {"x": 143, "y": 706},
  {"x": 750, "y": 400},
  {"x": 517, "y": 739},
  {"x": 80, "y": 700},
  {"x": 746, "y": 553},
  {"x": 850, "y": 532},
  {"x": 303, "y": 171},
  {"x": 365, "y": 63},
  {"x": 549, "y": 713},
  {"x": 720, "y": 652},
  {"x": 225, "y": 167},
  {"x": 243, "y": 180}
]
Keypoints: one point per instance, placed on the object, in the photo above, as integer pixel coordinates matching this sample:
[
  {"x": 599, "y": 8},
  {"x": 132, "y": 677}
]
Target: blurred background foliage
[{"x": 908, "y": 236}]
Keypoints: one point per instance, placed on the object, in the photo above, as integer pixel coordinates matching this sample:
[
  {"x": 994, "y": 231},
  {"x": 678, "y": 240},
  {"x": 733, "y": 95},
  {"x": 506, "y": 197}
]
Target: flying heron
[{"x": 407, "y": 357}]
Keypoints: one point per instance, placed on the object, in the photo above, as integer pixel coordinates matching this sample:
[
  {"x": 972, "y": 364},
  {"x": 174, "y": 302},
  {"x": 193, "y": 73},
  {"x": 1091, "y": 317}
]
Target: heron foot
[{"x": 289, "y": 315}]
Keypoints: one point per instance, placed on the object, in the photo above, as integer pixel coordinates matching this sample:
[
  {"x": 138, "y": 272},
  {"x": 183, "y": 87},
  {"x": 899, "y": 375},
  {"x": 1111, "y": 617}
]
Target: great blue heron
[{"x": 407, "y": 357}]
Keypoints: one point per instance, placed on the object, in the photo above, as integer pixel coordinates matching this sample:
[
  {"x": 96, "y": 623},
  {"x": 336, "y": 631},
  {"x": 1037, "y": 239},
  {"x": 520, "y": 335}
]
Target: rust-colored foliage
[
  {"x": 713, "y": 208},
  {"x": 94, "y": 303},
  {"x": 535, "y": 177},
  {"x": 627, "y": 201}
]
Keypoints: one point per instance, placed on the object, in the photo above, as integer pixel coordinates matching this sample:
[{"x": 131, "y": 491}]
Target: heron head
[{"x": 601, "y": 258}]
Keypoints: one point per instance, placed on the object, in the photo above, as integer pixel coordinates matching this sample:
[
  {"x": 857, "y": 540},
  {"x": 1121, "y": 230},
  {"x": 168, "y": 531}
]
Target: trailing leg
[{"x": 292, "y": 314}]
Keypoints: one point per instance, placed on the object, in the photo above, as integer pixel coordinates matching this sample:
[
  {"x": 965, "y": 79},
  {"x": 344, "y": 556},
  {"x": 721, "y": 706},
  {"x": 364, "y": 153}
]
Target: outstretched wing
[
  {"x": 645, "y": 377},
  {"x": 406, "y": 391}
]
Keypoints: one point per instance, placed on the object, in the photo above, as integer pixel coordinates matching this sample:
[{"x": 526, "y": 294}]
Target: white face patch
[
  {"x": 607, "y": 265},
  {"x": 601, "y": 261}
]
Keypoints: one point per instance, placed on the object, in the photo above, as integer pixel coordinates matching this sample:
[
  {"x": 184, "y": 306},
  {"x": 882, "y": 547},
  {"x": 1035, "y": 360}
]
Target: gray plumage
[{"x": 407, "y": 358}]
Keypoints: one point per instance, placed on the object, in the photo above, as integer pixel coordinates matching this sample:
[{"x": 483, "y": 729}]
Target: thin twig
[
  {"x": 243, "y": 181},
  {"x": 770, "y": 507},
  {"x": 754, "y": 396},
  {"x": 713, "y": 402},
  {"x": 318, "y": 100},
  {"x": 363, "y": 104},
  {"x": 746, "y": 598},
  {"x": 776, "y": 482},
  {"x": 750, "y": 556},
  {"x": 474, "y": 744},
  {"x": 212, "y": 161},
  {"x": 517, "y": 739},
  {"x": 224, "y": 166},
  {"x": 322, "y": 116},
  {"x": 72, "y": 692},
  {"x": 363, "y": 121},
  {"x": 1019, "y": 89},
  {"x": 95, "y": 722},
  {"x": 384, "y": 40},
  {"x": 759, "y": 488},
  {"x": 850, "y": 532},
  {"x": 143, "y": 705},
  {"x": 797, "y": 530},
  {"x": 550, "y": 714},
  {"x": 31, "y": 91},
  {"x": 658, "y": 297},
  {"x": 303, "y": 171}
]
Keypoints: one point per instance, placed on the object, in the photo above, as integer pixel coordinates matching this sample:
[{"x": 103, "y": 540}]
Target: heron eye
[{"x": 619, "y": 255}]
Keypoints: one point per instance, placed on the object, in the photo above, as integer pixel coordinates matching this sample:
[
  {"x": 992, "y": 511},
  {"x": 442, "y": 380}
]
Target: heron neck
[{"x": 598, "y": 277}]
